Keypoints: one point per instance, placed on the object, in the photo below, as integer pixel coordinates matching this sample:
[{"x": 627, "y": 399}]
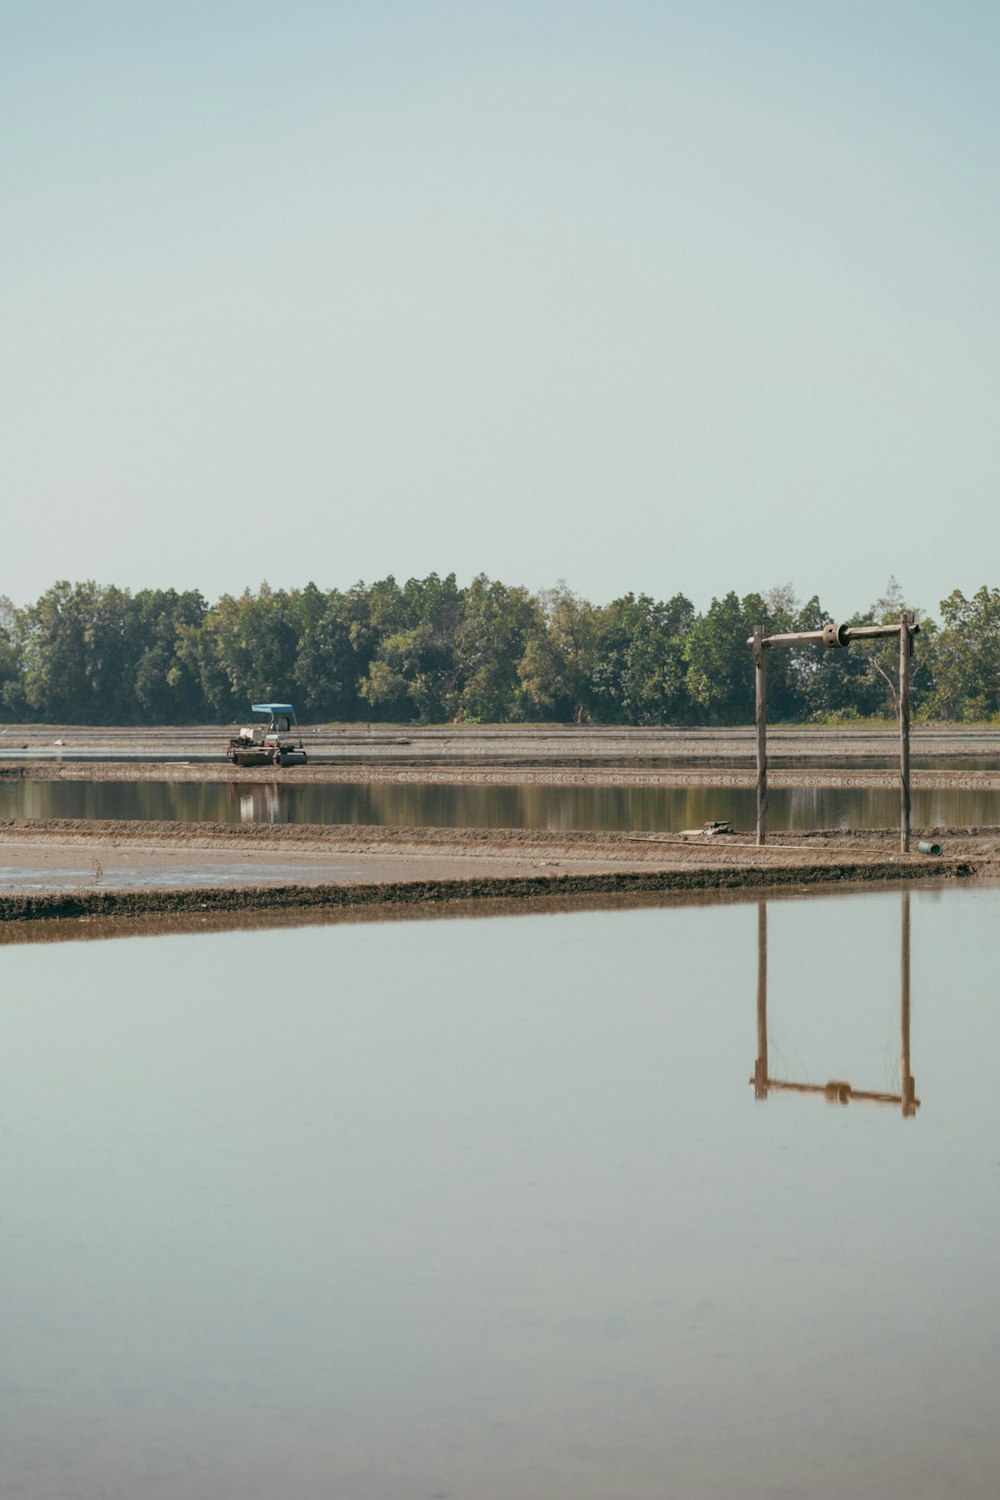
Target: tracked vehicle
[{"x": 276, "y": 743}]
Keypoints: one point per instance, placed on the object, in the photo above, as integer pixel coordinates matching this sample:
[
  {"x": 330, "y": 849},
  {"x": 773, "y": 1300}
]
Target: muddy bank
[
  {"x": 97, "y": 903},
  {"x": 98, "y": 928},
  {"x": 73, "y": 868},
  {"x": 358, "y": 837}
]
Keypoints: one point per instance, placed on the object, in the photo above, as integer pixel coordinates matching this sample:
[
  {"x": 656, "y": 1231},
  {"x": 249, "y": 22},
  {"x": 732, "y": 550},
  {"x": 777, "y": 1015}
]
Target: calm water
[
  {"x": 477, "y": 1209},
  {"x": 657, "y": 808}
]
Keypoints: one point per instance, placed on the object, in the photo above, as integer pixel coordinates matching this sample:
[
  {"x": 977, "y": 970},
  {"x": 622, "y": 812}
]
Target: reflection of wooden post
[
  {"x": 907, "y": 1083},
  {"x": 904, "y": 733},
  {"x": 760, "y": 1067},
  {"x": 760, "y": 675}
]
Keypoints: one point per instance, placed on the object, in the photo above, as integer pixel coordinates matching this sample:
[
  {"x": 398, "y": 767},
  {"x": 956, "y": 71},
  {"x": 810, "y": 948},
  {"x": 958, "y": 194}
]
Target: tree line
[{"x": 429, "y": 651}]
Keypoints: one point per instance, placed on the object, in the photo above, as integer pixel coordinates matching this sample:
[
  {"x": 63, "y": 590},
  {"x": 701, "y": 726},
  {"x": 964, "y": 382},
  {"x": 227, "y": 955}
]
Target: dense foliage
[{"x": 429, "y": 651}]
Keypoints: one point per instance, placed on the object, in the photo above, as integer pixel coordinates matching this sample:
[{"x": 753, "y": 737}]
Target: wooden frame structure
[{"x": 836, "y": 635}]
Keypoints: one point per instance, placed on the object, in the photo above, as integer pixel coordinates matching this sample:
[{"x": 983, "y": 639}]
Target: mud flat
[{"x": 78, "y": 868}]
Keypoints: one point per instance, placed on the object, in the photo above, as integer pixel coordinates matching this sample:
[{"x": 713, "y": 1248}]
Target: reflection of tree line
[
  {"x": 154, "y": 801},
  {"x": 625, "y": 809},
  {"x": 557, "y": 808},
  {"x": 656, "y": 809},
  {"x": 837, "y": 1090}
]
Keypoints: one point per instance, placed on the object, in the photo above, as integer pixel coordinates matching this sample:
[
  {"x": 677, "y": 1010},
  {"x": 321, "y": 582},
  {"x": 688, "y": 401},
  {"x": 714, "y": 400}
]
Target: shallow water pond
[
  {"x": 492, "y": 1207},
  {"x": 663, "y": 809}
]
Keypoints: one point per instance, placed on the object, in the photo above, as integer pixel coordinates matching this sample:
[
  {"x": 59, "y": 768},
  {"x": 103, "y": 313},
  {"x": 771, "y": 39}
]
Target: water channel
[
  {"x": 516, "y": 1208},
  {"x": 413, "y": 805}
]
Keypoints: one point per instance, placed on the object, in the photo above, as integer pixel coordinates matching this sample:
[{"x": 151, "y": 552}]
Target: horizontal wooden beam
[
  {"x": 838, "y": 635},
  {"x": 839, "y": 1093}
]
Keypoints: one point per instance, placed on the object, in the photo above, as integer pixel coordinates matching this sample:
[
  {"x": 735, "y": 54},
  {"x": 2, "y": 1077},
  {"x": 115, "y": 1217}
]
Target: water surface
[
  {"x": 663, "y": 809},
  {"x": 489, "y": 1208}
]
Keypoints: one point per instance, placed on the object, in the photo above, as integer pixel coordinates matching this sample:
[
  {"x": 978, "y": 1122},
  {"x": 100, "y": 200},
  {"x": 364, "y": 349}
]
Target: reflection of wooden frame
[
  {"x": 842, "y": 1093},
  {"x": 836, "y": 635}
]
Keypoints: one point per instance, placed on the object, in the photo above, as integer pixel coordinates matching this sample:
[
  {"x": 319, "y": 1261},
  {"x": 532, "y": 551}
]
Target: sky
[{"x": 643, "y": 297}]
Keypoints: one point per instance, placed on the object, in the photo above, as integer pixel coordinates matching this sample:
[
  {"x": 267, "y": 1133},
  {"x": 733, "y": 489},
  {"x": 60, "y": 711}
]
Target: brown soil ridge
[
  {"x": 122, "y": 903},
  {"x": 361, "y": 837},
  {"x": 396, "y": 867}
]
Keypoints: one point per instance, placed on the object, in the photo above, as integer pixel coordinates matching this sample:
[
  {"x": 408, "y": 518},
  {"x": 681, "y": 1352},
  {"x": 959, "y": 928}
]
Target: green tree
[
  {"x": 414, "y": 672},
  {"x": 79, "y": 647},
  {"x": 498, "y": 623},
  {"x": 966, "y": 657},
  {"x": 862, "y": 680},
  {"x": 11, "y": 689},
  {"x": 556, "y": 670},
  {"x": 245, "y": 650},
  {"x": 336, "y": 640},
  {"x": 639, "y": 673},
  {"x": 167, "y": 690},
  {"x": 719, "y": 673},
  {"x": 792, "y": 669}
]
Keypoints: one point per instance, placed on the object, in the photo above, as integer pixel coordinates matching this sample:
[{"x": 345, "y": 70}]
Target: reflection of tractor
[{"x": 278, "y": 743}]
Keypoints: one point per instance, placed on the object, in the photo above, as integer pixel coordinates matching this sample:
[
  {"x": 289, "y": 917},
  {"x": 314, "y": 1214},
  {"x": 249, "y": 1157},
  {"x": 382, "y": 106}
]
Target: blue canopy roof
[{"x": 272, "y": 708}]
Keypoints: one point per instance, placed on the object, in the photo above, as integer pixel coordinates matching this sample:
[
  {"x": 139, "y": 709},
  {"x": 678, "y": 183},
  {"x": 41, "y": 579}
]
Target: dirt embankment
[
  {"x": 71, "y": 868},
  {"x": 330, "y": 837}
]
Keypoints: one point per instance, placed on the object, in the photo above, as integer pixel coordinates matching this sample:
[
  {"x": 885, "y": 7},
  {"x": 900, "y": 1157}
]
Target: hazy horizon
[{"x": 644, "y": 297}]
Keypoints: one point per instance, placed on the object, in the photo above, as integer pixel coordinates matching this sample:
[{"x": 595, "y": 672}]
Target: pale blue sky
[{"x": 641, "y": 296}]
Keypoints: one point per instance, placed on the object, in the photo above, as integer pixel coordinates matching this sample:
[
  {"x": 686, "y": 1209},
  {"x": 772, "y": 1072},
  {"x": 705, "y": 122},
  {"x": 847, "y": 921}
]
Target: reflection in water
[
  {"x": 430, "y": 1223},
  {"x": 836, "y": 1089},
  {"x": 412, "y": 805},
  {"x": 262, "y": 802}
]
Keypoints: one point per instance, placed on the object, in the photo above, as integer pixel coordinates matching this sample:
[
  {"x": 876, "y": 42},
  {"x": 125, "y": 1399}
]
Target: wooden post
[
  {"x": 760, "y": 1067},
  {"x": 760, "y": 675},
  {"x": 907, "y": 1086},
  {"x": 905, "y": 625}
]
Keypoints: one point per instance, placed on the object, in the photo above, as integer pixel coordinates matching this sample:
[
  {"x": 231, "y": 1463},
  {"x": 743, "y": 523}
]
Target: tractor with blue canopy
[{"x": 276, "y": 743}]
